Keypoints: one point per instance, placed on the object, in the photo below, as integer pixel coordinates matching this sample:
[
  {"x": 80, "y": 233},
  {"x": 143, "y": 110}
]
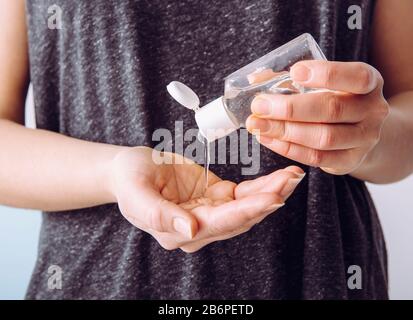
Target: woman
[{"x": 110, "y": 212}]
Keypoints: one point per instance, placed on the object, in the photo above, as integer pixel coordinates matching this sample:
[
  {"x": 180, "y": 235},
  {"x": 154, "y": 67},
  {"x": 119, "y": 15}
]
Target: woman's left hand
[{"x": 332, "y": 130}]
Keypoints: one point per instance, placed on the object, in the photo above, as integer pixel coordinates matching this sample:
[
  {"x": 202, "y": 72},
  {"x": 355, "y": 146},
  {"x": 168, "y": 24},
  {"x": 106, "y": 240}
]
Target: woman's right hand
[{"x": 169, "y": 200}]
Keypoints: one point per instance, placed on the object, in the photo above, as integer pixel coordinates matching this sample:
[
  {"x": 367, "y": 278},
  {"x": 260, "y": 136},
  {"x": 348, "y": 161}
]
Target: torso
[{"x": 102, "y": 77}]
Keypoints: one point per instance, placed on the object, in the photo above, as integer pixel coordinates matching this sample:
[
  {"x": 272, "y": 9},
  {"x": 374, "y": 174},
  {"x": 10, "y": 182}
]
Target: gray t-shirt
[{"x": 102, "y": 77}]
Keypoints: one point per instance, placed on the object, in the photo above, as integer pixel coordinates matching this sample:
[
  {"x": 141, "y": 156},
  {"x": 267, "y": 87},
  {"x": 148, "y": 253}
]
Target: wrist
[
  {"x": 107, "y": 172},
  {"x": 373, "y": 168}
]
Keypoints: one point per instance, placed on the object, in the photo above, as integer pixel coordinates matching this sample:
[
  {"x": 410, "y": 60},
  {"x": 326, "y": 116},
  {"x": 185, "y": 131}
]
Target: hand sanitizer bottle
[{"x": 268, "y": 74}]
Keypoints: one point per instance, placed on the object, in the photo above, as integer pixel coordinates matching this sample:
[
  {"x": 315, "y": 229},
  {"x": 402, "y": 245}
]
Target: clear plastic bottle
[{"x": 268, "y": 74}]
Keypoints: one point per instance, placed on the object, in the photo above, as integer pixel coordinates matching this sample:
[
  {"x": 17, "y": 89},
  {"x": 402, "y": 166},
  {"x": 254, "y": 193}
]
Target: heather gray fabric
[{"x": 103, "y": 77}]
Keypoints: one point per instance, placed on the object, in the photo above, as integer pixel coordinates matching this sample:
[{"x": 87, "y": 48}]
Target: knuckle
[
  {"x": 334, "y": 108},
  {"x": 376, "y": 134},
  {"x": 383, "y": 109},
  {"x": 155, "y": 217},
  {"x": 289, "y": 109},
  {"x": 362, "y": 130},
  {"x": 286, "y": 149},
  {"x": 315, "y": 157},
  {"x": 330, "y": 77},
  {"x": 277, "y": 128},
  {"x": 327, "y": 138},
  {"x": 284, "y": 131},
  {"x": 154, "y": 220},
  {"x": 369, "y": 134}
]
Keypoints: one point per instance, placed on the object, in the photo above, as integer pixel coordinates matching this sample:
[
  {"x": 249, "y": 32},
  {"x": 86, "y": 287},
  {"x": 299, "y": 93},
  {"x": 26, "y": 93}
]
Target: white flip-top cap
[
  {"x": 213, "y": 120},
  {"x": 184, "y": 95}
]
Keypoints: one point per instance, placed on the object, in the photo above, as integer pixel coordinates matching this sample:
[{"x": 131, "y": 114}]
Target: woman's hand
[
  {"x": 332, "y": 130},
  {"x": 169, "y": 200}
]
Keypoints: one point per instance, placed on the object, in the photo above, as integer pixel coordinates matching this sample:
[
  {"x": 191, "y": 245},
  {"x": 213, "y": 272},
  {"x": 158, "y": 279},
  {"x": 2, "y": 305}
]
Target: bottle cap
[
  {"x": 213, "y": 119},
  {"x": 183, "y": 95}
]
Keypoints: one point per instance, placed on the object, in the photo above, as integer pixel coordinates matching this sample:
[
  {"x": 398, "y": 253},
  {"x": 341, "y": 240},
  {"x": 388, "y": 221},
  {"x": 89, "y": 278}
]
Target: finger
[
  {"x": 234, "y": 214},
  {"x": 209, "y": 235},
  {"x": 194, "y": 246},
  {"x": 167, "y": 240},
  {"x": 213, "y": 236},
  {"x": 272, "y": 183},
  {"x": 223, "y": 189},
  {"x": 314, "y": 135},
  {"x": 161, "y": 215},
  {"x": 309, "y": 156},
  {"x": 354, "y": 77},
  {"x": 324, "y": 107},
  {"x": 235, "y": 222},
  {"x": 263, "y": 75}
]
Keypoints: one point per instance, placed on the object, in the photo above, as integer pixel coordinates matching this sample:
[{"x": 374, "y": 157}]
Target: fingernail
[
  {"x": 290, "y": 186},
  {"x": 300, "y": 175},
  {"x": 300, "y": 73},
  {"x": 261, "y": 106},
  {"x": 182, "y": 226}
]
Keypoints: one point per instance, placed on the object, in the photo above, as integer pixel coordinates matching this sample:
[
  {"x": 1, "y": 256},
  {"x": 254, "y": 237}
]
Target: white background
[{"x": 19, "y": 230}]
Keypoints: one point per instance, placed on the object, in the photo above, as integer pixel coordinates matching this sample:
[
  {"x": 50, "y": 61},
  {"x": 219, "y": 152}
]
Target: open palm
[{"x": 170, "y": 199}]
